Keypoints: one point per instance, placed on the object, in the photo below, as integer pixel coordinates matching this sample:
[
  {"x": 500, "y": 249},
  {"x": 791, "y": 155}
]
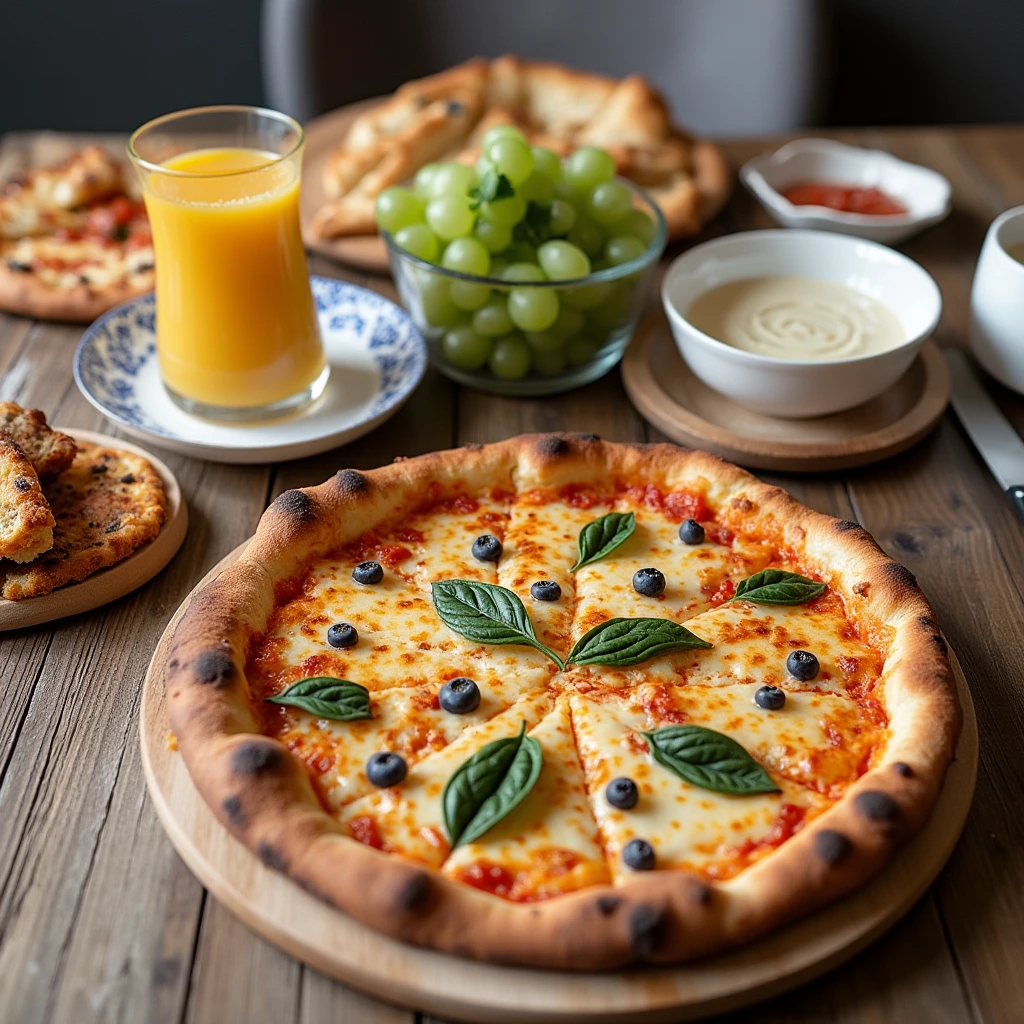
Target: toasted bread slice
[
  {"x": 26, "y": 522},
  {"x": 49, "y": 451},
  {"x": 106, "y": 505}
]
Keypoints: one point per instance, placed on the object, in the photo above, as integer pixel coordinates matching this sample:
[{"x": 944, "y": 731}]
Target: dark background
[{"x": 112, "y": 64}]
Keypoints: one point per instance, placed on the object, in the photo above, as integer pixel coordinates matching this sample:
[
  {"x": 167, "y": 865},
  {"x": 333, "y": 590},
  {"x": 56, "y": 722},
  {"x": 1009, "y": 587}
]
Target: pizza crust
[
  {"x": 263, "y": 794},
  {"x": 24, "y": 294}
]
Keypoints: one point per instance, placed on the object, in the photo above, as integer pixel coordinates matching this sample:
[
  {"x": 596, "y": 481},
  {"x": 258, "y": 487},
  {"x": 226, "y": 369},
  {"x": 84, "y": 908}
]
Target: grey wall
[{"x": 111, "y": 64}]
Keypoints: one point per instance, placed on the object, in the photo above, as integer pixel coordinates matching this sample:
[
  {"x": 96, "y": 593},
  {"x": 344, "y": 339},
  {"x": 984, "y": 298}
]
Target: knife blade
[{"x": 997, "y": 442}]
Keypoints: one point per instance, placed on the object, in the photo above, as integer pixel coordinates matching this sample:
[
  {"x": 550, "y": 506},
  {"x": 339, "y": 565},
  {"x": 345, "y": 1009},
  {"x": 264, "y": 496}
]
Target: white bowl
[
  {"x": 795, "y": 388},
  {"x": 924, "y": 192},
  {"x": 997, "y": 302}
]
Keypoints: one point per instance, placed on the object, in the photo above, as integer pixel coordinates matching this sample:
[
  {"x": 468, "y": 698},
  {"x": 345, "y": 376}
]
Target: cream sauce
[{"x": 796, "y": 318}]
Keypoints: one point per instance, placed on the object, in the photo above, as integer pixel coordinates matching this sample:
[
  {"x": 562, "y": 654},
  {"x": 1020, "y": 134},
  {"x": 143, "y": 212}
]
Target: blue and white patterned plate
[{"x": 377, "y": 358}]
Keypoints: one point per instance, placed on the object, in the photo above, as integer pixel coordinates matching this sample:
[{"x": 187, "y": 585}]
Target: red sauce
[
  {"x": 364, "y": 830},
  {"x": 790, "y": 818},
  {"x": 582, "y": 496},
  {"x": 680, "y": 505},
  {"x": 726, "y": 589},
  {"x": 661, "y": 708},
  {"x": 844, "y": 198},
  {"x": 490, "y": 877},
  {"x": 719, "y": 534},
  {"x": 408, "y": 535},
  {"x": 461, "y": 503}
]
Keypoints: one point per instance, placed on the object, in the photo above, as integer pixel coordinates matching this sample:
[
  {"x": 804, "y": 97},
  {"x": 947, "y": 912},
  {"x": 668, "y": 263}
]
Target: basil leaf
[
  {"x": 604, "y": 535},
  {"x": 534, "y": 227},
  {"x": 327, "y": 697},
  {"x": 776, "y": 586},
  {"x": 486, "y": 613},
  {"x": 493, "y": 186},
  {"x": 486, "y": 787},
  {"x": 621, "y": 642},
  {"x": 708, "y": 759}
]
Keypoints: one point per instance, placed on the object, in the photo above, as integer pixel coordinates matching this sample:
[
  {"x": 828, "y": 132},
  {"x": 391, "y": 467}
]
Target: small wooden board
[
  {"x": 668, "y": 395},
  {"x": 365, "y": 252},
  {"x": 108, "y": 584},
  {"x": 321, "y": 936}
]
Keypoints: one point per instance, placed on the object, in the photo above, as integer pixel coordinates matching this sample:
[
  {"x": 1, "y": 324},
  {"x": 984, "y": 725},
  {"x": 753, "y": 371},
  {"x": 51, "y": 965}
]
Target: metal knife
[{"x": 997, "y": 442}]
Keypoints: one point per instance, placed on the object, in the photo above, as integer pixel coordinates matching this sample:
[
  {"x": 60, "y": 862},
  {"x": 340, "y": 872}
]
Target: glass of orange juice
[{"x": 236, "y": 328}]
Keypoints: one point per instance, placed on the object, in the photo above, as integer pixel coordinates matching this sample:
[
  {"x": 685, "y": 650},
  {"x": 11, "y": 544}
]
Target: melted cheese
[
  {"x": 549, "y": 843},
  {"x": 687, "y": 826},
  {"x": 409, "y": 818}
]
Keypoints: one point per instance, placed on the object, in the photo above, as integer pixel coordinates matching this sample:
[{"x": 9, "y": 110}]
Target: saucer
[{"x": 376, "y": 353}]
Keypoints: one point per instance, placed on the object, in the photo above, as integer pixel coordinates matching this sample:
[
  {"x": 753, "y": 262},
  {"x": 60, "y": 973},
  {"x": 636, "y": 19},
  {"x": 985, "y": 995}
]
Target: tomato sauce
[
  {"x": 364, "y": 830},
  {"x": 845, "y": 198},
  {"x": 489, "y": 877}
]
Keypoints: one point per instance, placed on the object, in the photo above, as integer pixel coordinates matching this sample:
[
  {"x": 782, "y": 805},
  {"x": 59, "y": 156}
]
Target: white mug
[{"x": 997, "y": 302}]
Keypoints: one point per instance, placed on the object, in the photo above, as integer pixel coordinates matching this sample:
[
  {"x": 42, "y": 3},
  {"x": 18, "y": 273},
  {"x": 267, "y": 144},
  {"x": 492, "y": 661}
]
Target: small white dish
[
  {"x": 377, "y": 358},
  {"x": 790, "y": 388},
  {"x": 997, "y": 302},
  {"x": 925, "y": 193}
]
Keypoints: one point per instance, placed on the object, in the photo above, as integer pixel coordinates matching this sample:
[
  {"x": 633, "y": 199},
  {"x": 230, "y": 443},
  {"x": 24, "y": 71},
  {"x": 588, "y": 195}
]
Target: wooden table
[{"x": 100, "y": 920}]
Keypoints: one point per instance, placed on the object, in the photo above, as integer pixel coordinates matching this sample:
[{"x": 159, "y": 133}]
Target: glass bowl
[{"x": 597, "y": 314}]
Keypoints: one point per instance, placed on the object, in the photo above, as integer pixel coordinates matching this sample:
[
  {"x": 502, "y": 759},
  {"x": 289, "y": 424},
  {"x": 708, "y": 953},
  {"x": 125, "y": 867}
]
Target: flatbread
[
  {"x": 26, "y": 522},
  {"x": 49, "y": 451}
]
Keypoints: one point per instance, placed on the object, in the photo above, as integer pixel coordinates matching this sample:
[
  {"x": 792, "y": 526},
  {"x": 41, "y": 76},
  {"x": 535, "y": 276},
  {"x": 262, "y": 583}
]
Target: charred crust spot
[
  {"x": 903, "y": 769},
  {"x": 845, "y": 525},
  {"x": 213, "y": 668},
  {"x": 295, "y": 504},
  {"x": 271, "y": 856},
  {"x": 21, "y": 484},
  {"x": 232, "y": 808},
  {"x": 173, "y": 665},
  {"x": 742, "y": 504},
  {"x": 351, "y": 481},
  {"x": 413, "y": 892},
  {"x": 589, "y": 438},
  {"x": 900, "y": 576},
  {"x": 862, "y": 589},
  {"x": 940, "y": 642},
  {"x": 832, "y": 847},
  {"x": 607, "y": 904},
  {"x": 255, "y": 757},
  {"x": 703, "y": 894},
  {"x": 878, "y": 807},
  {"x": 473, "y": 446},
  {"x": 552, "y": 446},
  {"x": 646, "y": 927}
]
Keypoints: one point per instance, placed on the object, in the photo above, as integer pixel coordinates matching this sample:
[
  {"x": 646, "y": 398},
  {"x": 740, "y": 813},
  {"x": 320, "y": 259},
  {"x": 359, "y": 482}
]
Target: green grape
[
  {"x": 397, "y": 208},
  {"x": 436, "y": 298},
  {"x": 522, "y": 252},
  {"x": 512, "y": 157},
  {"x": 467, "y": 256},
  {"x": 623, "y": 248},
  {"x": 547, "y": 364},
  {"x": 510, "y": 358},
  {"x": 563, "y": 190},
  {"x": 505, "y": 211},
  {"x": 523, "y": 272},
  {"x": 546, "y": 162},
  {"x": 420, "y": 241},
  {"x": 494, "y": 237},
  {"x": 498, "y": 266},
  {"x": 450, "y": 217},
  {"x": 638, "y": 224},
  {"x": 563, "y": 216},
  {"x": 614, "y": 311},
  {"x": 587, "y": 236},
  {"x": 569, "y": 322},
  {"x": 466, "y": 349},
  {"x": 533, "y": 309},
  {"x": 588, "y": 167},
  {"x": 500, "y": 131},
  {"x": 469, "y": 296},
  {"x": 492, "y": 318},
  {"x": 451, "y": 179},
  {"x": 562, "y": 261},
  {"x": 422, "y": 181},
  {"x": 609, "y": 202},
  {"x": 537, "y": 188},
  {"x": 588, "y": 296},
  {"x": 580, "y": 350}
]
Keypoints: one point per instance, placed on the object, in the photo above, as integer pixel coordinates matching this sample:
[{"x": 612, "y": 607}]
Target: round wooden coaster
[
  {"x": 108, "y": 584},
  {"x": 321, "y": 936},
  {"x": 668, "y": 395},
  {"x": 366, "y": 252}
]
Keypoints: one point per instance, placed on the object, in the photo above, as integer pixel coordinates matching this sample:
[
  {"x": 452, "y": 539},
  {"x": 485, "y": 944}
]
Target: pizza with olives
[{"x": 561, "y": 702}]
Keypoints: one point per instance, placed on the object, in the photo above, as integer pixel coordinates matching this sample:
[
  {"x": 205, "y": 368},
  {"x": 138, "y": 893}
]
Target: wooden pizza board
[
  {"x": 668, "y": 395},
  {"x": 366, "y": 252},
  {"x": 108, "y": 584},
  {"x": 326, "y": 939}
]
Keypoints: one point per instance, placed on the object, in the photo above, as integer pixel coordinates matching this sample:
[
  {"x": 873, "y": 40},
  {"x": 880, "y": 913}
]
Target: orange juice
[{"x": 236, "y": 325}]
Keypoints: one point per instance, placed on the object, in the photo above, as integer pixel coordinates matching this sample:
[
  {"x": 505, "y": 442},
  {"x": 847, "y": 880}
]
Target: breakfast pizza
[
  {"x": 74, "y": 241},
  {"x": 560, "y": 702},
  {"x": 445, "y": 116}
]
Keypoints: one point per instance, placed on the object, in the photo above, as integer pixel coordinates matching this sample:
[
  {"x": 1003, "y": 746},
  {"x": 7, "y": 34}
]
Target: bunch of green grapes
[{"x": 520, "y": 216}]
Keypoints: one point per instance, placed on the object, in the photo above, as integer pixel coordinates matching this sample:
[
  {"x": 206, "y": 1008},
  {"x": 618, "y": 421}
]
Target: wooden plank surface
[{"x": 100, "y": 921}]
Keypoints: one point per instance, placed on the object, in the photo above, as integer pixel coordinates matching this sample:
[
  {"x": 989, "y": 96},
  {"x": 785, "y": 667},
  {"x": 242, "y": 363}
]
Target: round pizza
[{"x": 561, "y": 702}]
